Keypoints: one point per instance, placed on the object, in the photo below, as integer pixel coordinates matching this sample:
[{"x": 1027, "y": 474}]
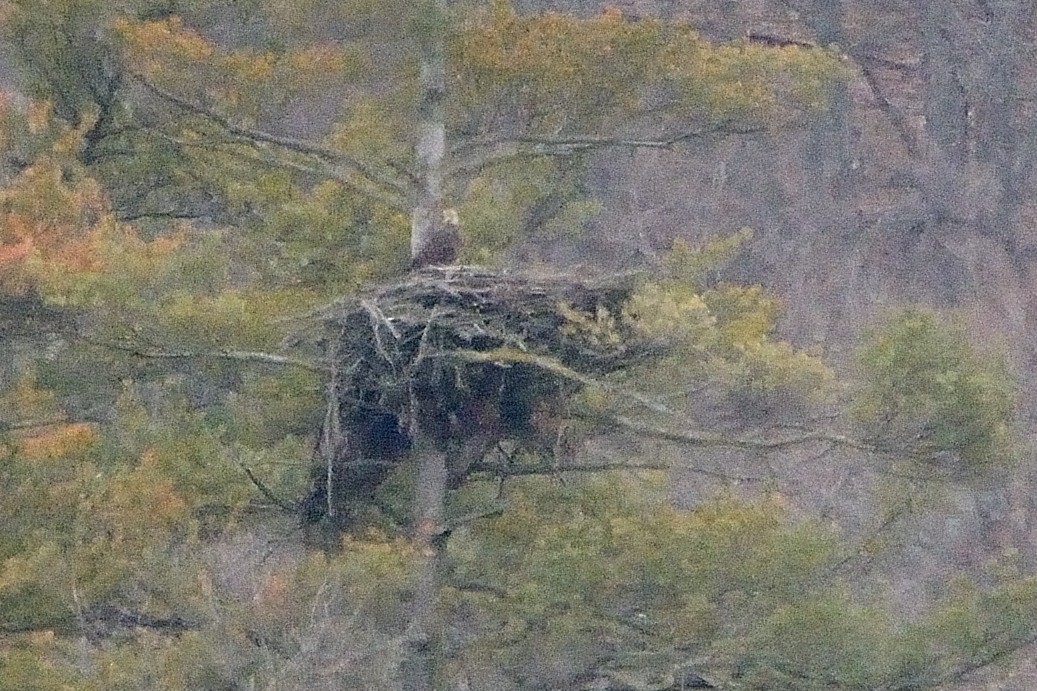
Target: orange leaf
[
  {"x": 12, "y": 253},
  {"x": 60, "y": 441}
]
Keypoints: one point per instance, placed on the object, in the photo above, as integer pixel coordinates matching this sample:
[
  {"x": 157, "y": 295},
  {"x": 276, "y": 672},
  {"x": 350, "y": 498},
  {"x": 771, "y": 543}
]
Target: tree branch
[
  {"x": 704, "y": 439},
  {"x": 497, "y": 150},
  {"x": 513, "y": 355},
  {"x": 896, "y": 118},
  {"x": 603, "y": 467},
  {"x": 164, "y": 215},
  {"x": 236, "y": 355},
  {"x": 402, "y": 187},
  {"x": 360, "y": 185},
  {"x": 267, "y": 492}
]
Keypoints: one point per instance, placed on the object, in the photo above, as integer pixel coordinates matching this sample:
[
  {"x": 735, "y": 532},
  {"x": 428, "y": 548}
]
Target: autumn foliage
[{"x": 189, "y": 189}]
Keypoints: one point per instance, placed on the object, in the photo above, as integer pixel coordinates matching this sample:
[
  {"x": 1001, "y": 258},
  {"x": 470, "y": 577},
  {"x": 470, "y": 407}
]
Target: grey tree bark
[
  {"x": 420, "y": 664},
  {"x": 432, "y": 240}
]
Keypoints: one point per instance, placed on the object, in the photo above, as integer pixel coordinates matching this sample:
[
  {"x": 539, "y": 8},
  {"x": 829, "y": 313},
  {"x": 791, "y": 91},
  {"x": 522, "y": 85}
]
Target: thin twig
[{"x": 378, "y": 319}]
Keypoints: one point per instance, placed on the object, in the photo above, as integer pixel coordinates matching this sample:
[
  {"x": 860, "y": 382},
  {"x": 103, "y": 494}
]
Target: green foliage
[
  {"x": 178, "y": 237},
  {"x": 27, "y": 665},
  {"x": 66, "y": 60},
  {"x": 721, "y": 336},
  {"x": 924, "y": 387},
  {"x": 591, "y": 72},
  {"x": 691, "y": 266},
  {"x": 569, "y": 574},
  {"x": 511, "y": 201},
  {"x": 513, "y": 75},
  {"x": 612, "y": 559}
]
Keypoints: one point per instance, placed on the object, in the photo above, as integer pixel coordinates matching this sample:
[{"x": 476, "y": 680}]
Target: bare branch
[
  {"x": 513, "y": 355},
  {"x": 237, "y": 355},
  {"x": 480, "y": 588},
  {"x": 360, "y": 185},
  {"x": 468, "y": 519},
  {"x": 705, "y": 439},
  {"x": 402, "y": 187},
  {"x": 170, "y": 215},
  {"x": 896, "y": 117},
  {"x": 607, "y": 466},
  {"x": 267, "y": 492},
  {"x": 494, "y": 151},
  {"x": 861, "y": 552},
  {"x": 777, "y": 41}
]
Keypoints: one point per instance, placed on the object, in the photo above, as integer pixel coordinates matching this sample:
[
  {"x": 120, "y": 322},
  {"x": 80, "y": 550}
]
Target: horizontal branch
[
  {"x": 498, "y": 150},
  {"x": 701, "y": 439},
  {"x": 236, "y": 355},
  {"x": 704, "y": 439},
  {"x": 360, "y": 185},
  {"x": 605, "y": 467},
  {"x": 404, "y": 188},
  {"x": 163, "y": 215}
]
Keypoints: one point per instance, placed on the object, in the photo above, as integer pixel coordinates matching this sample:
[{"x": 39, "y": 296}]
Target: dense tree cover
[{"x": 171, "y": 229}]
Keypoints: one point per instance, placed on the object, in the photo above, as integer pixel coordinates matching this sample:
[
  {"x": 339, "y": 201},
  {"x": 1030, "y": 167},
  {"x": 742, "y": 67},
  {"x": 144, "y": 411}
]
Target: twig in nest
[
  {"x": 378, "y": 318},
  {"x": 510, "y": 355}
]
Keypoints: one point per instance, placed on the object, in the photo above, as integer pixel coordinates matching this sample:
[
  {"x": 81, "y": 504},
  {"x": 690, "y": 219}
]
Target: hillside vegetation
[{"x": 643, "y": 424}]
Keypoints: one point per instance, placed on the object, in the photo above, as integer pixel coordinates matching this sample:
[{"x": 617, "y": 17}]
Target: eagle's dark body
[{"x": 442, "y": 246}]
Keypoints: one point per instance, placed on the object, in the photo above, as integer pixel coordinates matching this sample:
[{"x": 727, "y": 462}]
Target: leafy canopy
[{"x": 927, "y": 389}]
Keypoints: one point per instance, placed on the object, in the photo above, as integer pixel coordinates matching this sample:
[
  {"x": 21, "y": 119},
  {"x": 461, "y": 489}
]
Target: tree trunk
[
  {"x": 421, "y": 655},
  {"x": 432, "y": 240}
]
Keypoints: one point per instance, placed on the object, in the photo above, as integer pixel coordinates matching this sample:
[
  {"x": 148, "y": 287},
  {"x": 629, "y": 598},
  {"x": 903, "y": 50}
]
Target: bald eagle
[{"x": 441, "y": 247}]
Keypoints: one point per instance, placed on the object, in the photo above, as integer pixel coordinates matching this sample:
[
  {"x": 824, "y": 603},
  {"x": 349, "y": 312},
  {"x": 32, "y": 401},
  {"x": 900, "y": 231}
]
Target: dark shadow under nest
[{"x": 466, "y": 360}]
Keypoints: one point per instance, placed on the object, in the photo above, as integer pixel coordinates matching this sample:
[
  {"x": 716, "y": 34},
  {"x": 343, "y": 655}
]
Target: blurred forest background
[{"x": 823, "y": 476}]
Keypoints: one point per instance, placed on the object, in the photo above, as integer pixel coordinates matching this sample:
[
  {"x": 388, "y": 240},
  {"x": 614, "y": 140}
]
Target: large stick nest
[{"x": 464, "y": 359}]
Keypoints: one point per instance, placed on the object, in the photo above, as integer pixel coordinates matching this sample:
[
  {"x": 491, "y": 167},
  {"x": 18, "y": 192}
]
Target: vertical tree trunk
[
  {"x": 422, "y": 649},
  {"x": 429, "y": 245},
  {"x": 418, "y": 672},
  {"x": 432, "y": 242}
]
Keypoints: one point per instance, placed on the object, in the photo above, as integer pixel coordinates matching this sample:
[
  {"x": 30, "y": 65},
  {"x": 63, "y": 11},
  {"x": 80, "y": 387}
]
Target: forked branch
[{"x": 397, "y": 184}]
